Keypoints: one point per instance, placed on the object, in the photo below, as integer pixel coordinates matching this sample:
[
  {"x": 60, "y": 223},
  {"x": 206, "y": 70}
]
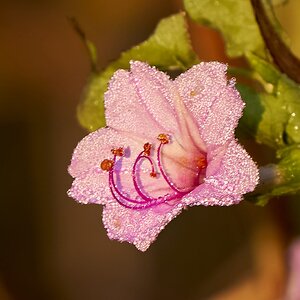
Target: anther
[
  {"x": 107, "y": 165},
  {"x": 153, "y": 174},
  {"x": 163, "y": 138},
  {"x": 193, "y": 93},
  {"x": 147, "y": 149},
  {"x": 201, "y": 163},
  {"x": 117, "y": 151}
]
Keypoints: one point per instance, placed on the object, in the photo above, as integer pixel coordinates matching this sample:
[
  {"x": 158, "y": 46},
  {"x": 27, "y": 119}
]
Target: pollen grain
[
  {"x": 163, "y": 138},
  {"x": 147, "y": 149},
  {"x": 117, "y": 151},
  {"x": 107, "y": 165}
]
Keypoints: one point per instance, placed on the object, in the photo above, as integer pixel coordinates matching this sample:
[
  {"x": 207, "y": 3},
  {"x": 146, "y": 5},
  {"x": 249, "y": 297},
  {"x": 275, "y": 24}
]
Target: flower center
[{"x": 144, "y": 201}]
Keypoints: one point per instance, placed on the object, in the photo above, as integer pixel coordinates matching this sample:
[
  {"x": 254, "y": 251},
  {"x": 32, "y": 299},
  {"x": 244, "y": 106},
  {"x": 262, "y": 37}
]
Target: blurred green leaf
[
  {"x": 267, "y": 71},
  {"x": 273, "y": 115},
  {"x": 288, "y": 169},
  {"x": 253, "y": 110},
  {"x": 280, "y": 120},
  {"x": 169, "y": 48},
  {"x": 278, "y": 2},
  {"x": 90, "y": 111},
  {"x": 263, "y": 117},
  {"x": 289, "y": 92},
  {"x": 234, "y": 19},
  {"x": 271, "y": 129}
]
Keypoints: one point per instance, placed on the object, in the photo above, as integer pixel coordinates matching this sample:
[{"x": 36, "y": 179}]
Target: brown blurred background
[{"x": 54, "y": 248}]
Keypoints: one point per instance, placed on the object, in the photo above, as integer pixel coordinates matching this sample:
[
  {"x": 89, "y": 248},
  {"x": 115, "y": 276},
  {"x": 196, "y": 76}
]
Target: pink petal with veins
[{"x": 213, "y": 103}]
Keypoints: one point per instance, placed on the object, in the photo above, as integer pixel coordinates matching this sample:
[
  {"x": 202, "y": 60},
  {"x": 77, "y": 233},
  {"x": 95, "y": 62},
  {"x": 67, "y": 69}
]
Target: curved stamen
[
  {"x": 135, "y": 206},
  {"x": 133, "y": 203},
  {"x": 148, "y": 201},
  {"x": 139, "y": 191},
  {"x": 113, "y": 184},
  {"x": 167, "y": 197},
  {"x": 144, "y": 201},
  {"x": 116, "y": 198},
  {"x": 140, "y": 157}
]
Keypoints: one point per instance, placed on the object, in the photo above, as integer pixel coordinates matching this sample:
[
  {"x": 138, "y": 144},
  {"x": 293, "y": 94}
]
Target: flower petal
[
  {"x": 139, "y": 227},
  {"x": 156, "y": 93},
  {"x": 215, "y": 105},
  {"x": 125, "y": 109},
  {"x": 146, "y": 102},
  {"x": 230, "y": 173},
  {"x": 208, "y": 195},
  {"x": 91, "y": 188},
  {"x": 96, "y": 147}
]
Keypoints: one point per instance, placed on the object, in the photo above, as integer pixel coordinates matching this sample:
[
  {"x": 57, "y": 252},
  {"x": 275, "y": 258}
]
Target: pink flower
[{"x": 168, "y": 144}]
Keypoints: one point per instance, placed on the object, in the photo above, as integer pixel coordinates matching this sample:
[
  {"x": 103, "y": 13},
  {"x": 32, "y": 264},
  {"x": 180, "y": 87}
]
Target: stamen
[
  {"x": 117, "y": 151},
  {"x": 135, "y": 183},
  {"x": 163, "y": 138},
  {"x": 115, "y": 187},
  {"x": 135, "y": 204},
  {"x": 107, "y": 165},
  {"x": 144, "y": 200}
]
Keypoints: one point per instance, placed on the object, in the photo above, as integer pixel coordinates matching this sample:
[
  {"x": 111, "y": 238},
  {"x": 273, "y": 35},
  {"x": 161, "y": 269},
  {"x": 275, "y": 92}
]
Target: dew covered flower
[{"x": 168, "y": 144}]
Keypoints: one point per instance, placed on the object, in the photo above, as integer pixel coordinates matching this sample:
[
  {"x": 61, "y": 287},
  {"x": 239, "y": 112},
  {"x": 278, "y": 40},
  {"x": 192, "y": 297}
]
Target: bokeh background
[{"x": 53, "y": 248}]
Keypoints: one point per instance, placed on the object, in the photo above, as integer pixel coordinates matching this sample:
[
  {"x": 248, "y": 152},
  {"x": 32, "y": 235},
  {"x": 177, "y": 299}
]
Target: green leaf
[
  {"x": 289, "y": 92},
  {"x": 234, "y": 19},
  {"x": 90, "y": 111},
  {"x": 263, "y": 117},
  {"x": 280, "y": 124},
  {"x": 253, "y": 110},
  {"x": 169, "y": 48},
  {"x": 273, "y": 116},
  {"x": 288, "y": 175},
  {"x": 280, "y": 121},
  {"x": 289, "y": 168},
  {"x": 267, "y": 71},
  {"x": 271, "y": 129}
]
